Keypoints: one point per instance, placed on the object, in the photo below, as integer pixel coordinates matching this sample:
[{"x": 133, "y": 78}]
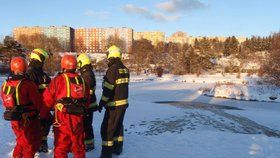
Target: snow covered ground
[{"x": 168, "y": 117}]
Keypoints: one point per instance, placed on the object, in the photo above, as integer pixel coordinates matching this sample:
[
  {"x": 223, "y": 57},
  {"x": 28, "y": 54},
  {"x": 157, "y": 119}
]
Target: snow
[
  {"x": 169, "y": 117},
  {"x": 246, "y": 92}
]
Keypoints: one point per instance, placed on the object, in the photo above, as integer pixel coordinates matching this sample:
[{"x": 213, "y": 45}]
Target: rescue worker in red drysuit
[
  {"x": 22, "y": 102},
  {"x": 69, "y": 96}
]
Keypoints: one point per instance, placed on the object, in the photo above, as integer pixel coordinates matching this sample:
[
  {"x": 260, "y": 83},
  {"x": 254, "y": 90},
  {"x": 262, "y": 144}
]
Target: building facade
[
  {"x": 153, "y": 36},
  {"x": 181, "y": 37},
  {"x": 178, "y": 37},
  {"x": 90, "y": 40},
  {"x": 124, "y": 33},
  {"x": 64, "y": 35},
  {"x": 26, "y": 31}
]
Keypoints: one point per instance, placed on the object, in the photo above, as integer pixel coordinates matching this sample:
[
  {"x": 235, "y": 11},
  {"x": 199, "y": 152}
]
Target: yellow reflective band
[
  {"x": 92, "y": 105},
  {"x": 59, "y": 107},
  {"x": 77, "y": 81},
  {"x": 123, "y": 71},
  {"x": 43, "y": 86},
  {"x": 107, "y": 143},
  {"x": 67, "y": 85},
  {"x": 104, "y": 98},
  {"x": 118, "y": 102},
  {"x": 17, "y": 95},
  {"x": 109, "y": 85},
  {"x": 118, "y": 139},
  {"x": 9, "y": 89},
  {"x": 4, "y": 85},
  {"x": 122, "y": 80},
  {"x": 89, "y": 141}
]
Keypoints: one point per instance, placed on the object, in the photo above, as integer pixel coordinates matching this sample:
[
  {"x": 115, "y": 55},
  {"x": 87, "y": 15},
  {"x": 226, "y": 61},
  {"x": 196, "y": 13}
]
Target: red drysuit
[
  {"x": 68, "y": 128},
  {"x": 22, "y": 93}
]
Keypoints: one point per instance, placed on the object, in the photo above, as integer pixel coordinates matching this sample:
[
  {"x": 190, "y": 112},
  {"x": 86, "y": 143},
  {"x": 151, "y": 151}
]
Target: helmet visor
[{"x": 41, "y": 56}]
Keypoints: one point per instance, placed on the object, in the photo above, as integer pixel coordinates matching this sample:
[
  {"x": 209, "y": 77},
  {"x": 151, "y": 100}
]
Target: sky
[{"x": 195, "y": 17}]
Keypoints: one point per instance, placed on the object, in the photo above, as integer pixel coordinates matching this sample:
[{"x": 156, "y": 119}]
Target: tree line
[
  {"x": 175, "y": 58},
  {"x": 204, "y": 54}
]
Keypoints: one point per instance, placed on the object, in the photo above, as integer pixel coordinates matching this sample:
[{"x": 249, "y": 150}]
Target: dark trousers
[
  {"x": 112, "y": 127},
  {"x": 47, "y": 128},
  {"x": 89, "y": 135}
]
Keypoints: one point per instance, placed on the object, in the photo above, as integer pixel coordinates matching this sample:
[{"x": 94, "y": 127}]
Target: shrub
[{"x": 159, "y": 71}]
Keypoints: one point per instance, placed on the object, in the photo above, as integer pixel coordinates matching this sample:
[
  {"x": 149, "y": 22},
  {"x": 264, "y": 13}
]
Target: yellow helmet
[
  {"x": 114, "y": 52},
  {"x": 83, "y": 59},
  {"x": 39, "y": 54}
]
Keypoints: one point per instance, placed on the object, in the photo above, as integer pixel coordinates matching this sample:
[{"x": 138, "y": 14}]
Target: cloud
[
  {"x": 173, "y": 6},
  {"x": 100, "y": 15},
  {"x": 132, "y": 9}
]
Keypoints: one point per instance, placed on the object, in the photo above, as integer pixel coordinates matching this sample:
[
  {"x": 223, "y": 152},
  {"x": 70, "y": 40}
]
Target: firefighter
[
  {"x": 22, "y": 102},
  {"x": 35, "y": 73},
  {"x": 85, "y": 68},
  {"x": 115, "y": 100},
  {"x": 69, "y": 96}
]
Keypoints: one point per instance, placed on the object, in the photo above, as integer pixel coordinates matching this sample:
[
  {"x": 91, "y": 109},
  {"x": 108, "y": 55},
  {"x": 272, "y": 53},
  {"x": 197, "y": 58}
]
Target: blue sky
[{"x": 196, "y": 17}]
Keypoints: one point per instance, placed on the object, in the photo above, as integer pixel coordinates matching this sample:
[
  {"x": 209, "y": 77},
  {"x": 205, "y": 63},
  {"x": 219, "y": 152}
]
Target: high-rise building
[
  {"x": 125, "y": 34},
  {"x": 64, "y": 34},
  {"x": 181, "y": 37},
  {"x": 153, "y": 36},
  {"x": 178, "y": 37},
  {"x": 27, "y": 31},
  {"x": 90, "y": 40}
]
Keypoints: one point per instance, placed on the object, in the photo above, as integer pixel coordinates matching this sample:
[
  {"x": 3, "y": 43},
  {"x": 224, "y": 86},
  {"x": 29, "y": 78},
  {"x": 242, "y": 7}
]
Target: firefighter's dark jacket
[
  {"x": 36, "y": 74},
  {"x": 115, "y": 85},
  {"x": 89, "y": 78}
]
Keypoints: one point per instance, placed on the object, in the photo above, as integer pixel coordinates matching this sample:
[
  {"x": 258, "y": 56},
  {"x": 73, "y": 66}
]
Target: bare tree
[
  {"x": 50, "y": 44},
  {"x": 115, "y": 40},
  {"x": 272, "y": 66},
  {"x": 141, "y": 49}
]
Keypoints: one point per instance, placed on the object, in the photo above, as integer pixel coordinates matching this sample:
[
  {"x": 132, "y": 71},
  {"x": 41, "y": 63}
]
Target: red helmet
[
  {"x": 18, "y": 65},
  {"x": 68, "y": 62}
]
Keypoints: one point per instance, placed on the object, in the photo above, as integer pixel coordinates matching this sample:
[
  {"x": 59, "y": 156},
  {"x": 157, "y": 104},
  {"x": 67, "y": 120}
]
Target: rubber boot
[
  {"x": 44, "y": 147},
  {"x": 106, "y": 152},
  {"x": 117, "y": 148}
]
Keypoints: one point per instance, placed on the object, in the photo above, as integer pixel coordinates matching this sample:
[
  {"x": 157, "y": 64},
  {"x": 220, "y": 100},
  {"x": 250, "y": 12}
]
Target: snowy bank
[
  {"x": 245, "y": 92},
  {"x": 249, "y": 88}
]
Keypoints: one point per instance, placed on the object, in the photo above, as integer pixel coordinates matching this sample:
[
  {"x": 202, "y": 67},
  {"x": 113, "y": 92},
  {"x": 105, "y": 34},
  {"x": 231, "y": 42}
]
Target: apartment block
[
  {"x": 178, "y": 37},
  {"x": 153, "y": 36},
  {"x": 181, "y": 37},
  {"x": 123, "y": 33},
  {"x": 27, "y": 31},
  {"x": 64, "y": 34},
  {"x": 90, "y": 40}
]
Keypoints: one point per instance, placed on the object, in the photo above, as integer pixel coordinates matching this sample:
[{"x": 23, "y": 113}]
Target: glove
[{"x": 100, "y": 105}]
